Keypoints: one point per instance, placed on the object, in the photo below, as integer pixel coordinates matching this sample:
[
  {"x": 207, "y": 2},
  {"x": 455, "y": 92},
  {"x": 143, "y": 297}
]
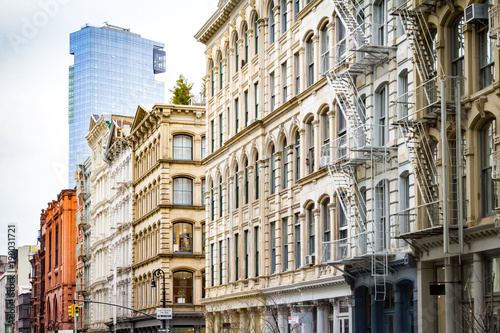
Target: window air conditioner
[
  {"x": 310, "y": 260},
  {"x": 477, "y": 12}
]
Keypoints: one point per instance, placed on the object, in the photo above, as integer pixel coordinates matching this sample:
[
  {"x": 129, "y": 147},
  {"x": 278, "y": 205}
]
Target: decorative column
[
  {"x": 317, "y": 56},
  {"x": 289, "y": 160},
  {"x": 478, "y": 286},
  {"x": 229, "y": 198},
  {"x": 322, "y": 320},
  {"x": 224, "y": 202},
  {"x": 449, "y": 277}
]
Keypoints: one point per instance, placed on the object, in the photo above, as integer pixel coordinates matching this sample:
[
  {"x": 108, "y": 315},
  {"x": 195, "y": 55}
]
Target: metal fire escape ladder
[
  {"x": 412, "y": 126},
  {"x": 342, "y": 78}
]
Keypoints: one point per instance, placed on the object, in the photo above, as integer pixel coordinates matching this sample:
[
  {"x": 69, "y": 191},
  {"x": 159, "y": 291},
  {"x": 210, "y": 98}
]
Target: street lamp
[{"x": 159, "y": 273}]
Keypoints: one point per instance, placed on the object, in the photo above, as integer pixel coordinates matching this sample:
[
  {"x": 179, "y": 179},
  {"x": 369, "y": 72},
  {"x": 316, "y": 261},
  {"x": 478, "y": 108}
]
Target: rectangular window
[
  {"x": 236, "y": 115},
  {"x": 283, "y": 81},
  {"x": 284, "y": 13},
  {"x": 256, "y": 97},
  {"x": 220, "y": 262},
  {"x": 256, "y": 247},
  {"x": 221, "y": 131},
  {"x": 486, "y": 58},
  {"x": 273, "y": 247},
  {"x": 57, "y": 246},
  {"x": 50, "y": 249},
  {"x": 284, "y": 240},
  {"x": 297, "y": 242},
  {"x": 203, "y": 239},
  {"x": 245, "y": 94},
  {"x": 256, "y": 175},
  {"x": 237, "y": 257},
  {"x": 212, "y": 82},
  {"x": 203, "y": 147},
  {"x": 380, "y": 22},
  {"x": 310, "y": 62},
  {"x": 212, "y": 138},
  {"x": 246, "y": 254},
  {"x": 203, "y": 185},
  {"x": 296, "y": 9},
  {"x": 310, "y": 231},
  {"x": 212, "y": 265},
  {"x": 296, "y": 65},
  {"x": 212, "y": 205},
  {"x": 271, "y": 90}
]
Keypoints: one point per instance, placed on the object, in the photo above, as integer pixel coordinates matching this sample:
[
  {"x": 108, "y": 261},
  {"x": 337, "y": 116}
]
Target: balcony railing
[{"x": 347, "y": 248}]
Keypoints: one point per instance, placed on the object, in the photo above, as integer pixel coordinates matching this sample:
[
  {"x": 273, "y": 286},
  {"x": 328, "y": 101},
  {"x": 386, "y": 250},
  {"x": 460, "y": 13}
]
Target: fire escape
[
  {"x": 363, "y": 246},
  {"x": 435, "y": 97}
]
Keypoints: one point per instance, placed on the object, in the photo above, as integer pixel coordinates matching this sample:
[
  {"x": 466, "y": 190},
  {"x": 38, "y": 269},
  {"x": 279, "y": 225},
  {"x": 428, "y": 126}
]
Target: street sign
[
  {"x": 293, "y": 319},
  {"x": 163, "y": 313},
  {"x": 164, "y": 330}
]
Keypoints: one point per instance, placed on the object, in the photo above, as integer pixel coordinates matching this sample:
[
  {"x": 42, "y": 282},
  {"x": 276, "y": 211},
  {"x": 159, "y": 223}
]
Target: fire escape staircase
[{"x": 343, "y": 162}]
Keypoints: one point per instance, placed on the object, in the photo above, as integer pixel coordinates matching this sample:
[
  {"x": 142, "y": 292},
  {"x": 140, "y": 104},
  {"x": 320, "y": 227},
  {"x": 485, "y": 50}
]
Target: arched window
[
  {"x": 212, "y": 79},
  {"x": 220, "y": 197},
  {"x": 341, "y": 40},
  {"x": 297, "y": 155},
  {"x": 236, "y": 188},
  {"x": 488, "y": 186},
  {"x": 183, "y": 287},
  {"x": 283, "y": 16},
  {"x": 273, "y": 172},
  {"x": 183, "y": 191},
  {"x": 271, "y": 23},
  {"x": 486, "y": 58},
  {"x": 310, "y": 60},
  {"x": 256, "y": 33},
  {"x": 245, "y": 198},
  {"x": 284, "y": 166},
  {"x": 404, "y": 202},
  {"x": 342, "y": 222},
  {"x": 183, "y": 237},
  {"x": 256, "y": 173},
  {"x": 381, "y": 111},
  {"x": 212, "y": 203},
  {"x": 325, "y": 217},
  {"x": 246, "y": 43},
  {"x": 458, "y": 50},
  {"x": 381, "y": 210},
  {"x": 221, "y": 72},
  {"x": 236, "y": 54},
  {"x": 325, "y": 128},
  {"x": 183, "y": 147},
  {"x": 403, "y": 94},
  {"x": 342, "y": 133},
  {"x": 325, "y": 46},
  {"x": 310, "y": 229},
  {"x": 310, "y": 144}
]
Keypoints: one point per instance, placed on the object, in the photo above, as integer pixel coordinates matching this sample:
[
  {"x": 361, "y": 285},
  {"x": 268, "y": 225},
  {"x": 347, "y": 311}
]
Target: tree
[{"x": 181, "y": 91}]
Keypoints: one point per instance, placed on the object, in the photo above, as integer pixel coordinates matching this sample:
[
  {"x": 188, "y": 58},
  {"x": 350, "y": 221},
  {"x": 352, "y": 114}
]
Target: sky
[{"x": 34, "y": 60}]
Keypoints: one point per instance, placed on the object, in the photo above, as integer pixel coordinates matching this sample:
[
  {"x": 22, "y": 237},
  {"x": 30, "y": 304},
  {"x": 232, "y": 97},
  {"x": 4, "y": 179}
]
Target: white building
[{"x": 105, "y": 233}]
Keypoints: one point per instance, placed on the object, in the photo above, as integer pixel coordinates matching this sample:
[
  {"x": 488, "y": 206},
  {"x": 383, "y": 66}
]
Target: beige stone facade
[
  {"x": 167, "y": 143},
  {"x": 270, "y": 202}
]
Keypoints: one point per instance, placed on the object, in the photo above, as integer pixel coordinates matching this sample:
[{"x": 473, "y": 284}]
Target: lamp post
[{"x": 159, "y": 273}]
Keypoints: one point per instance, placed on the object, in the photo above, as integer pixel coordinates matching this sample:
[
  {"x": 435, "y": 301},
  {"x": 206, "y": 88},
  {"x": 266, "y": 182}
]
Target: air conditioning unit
[
  {"x": 324, "y": 161},
  {"x": 310, "y": 260},
  {"x": 477, "y": 12}
]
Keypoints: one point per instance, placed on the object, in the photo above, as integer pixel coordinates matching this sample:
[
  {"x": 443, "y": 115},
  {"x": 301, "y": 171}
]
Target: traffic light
[
  {"x": 71, "y": 311},
  {"x": 76, "y": 310}
]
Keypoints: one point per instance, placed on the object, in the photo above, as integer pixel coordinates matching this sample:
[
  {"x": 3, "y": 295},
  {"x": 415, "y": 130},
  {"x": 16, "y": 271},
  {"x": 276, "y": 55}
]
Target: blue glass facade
[{"x": 113, "y": 72}]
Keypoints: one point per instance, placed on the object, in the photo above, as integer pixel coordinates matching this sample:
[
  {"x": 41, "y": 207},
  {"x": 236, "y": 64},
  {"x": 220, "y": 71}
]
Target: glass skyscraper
[{"x": 113, "y": 72}]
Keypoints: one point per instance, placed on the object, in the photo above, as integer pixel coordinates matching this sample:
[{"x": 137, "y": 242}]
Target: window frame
[
  {"x": 178, "y": 240},
  {"x": 177, "y": 191},
  {"x": 174, "y": 287},
  {"x": 175, "y": 145}
]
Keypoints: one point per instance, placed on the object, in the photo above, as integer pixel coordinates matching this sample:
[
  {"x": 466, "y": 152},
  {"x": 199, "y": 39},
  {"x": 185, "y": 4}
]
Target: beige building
[
  {"x": 270, "y": 198},
  {"x": 458, "y": 250},
  {"x": 168, "y": 144}
]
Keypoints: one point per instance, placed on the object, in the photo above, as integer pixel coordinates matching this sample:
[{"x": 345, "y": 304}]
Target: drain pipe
[{"x": 444, "y": 165}]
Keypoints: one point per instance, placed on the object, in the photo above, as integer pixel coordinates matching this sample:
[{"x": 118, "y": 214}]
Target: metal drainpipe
[
  {"x": 444, "y": 164},
  {"x": 460, "y": 206}
]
